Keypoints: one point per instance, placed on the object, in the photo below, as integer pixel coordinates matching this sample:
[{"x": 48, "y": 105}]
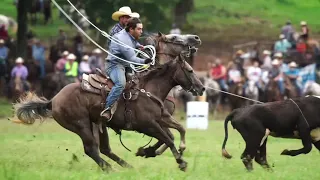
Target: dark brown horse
[
  {"x": 76, "y": 109},
  {"x": 168, "y": 47}
]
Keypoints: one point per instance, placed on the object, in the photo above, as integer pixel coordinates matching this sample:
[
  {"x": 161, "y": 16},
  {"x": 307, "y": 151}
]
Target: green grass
[
  {"x": 217, "y": 19},
  {"x": 45, "y": 152},
  {"x": 5, "y": 108}
]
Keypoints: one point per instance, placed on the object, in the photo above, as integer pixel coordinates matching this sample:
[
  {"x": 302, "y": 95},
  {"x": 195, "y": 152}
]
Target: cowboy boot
[{"x": 108, "y": 112}]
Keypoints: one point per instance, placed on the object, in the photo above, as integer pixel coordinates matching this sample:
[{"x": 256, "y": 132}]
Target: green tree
[{"x": 22, "y": 29}]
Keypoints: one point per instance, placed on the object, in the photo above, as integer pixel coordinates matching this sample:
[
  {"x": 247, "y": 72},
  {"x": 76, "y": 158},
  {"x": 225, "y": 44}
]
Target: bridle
[
  {"x": 182, "y": 64},
  {"x": 160, "y": 40}
]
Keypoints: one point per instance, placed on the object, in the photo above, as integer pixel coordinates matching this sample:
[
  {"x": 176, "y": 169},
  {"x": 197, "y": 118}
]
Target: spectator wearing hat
[
  {"x": 282, "y": 45},
  {"x": 293, "y": 74},
  {"x": 266, "y": 64},
  {"x": 84, "y": 66},
  {"x": 287, "y": 30},
  {"x": 3, "y": 58},
  {"x": 96, "y": 61},
  {"x": 20, "y": 70},
  {"x": 122, "y": 15},
  {"x": 277, "y": 75},
  {"x": 175, "y": 29},
  {"x": 38, "y": 54},
  {"x": 304, "y": 31},
  {"x": 62, "y": 62},
  {"x": 238, "y": 60},
  {"x": 71, "y": 68}
]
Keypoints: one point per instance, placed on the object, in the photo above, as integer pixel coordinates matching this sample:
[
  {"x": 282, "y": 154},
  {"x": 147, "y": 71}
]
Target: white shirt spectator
[
  {"x": 254, "y": 73},
  {"x": 234, "y": 75}
]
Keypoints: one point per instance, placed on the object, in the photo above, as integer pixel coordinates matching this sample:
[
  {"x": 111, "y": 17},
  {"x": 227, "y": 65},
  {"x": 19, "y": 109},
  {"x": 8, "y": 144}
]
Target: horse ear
[{"x": 160, "y": 34}]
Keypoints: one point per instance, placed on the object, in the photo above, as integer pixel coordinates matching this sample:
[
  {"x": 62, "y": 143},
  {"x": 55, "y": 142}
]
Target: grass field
[{"x": 46, "y": 151}]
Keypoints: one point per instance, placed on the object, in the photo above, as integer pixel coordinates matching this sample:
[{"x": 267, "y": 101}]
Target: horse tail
[
  {"x": 228, "y": 118},
  {"x": 32, "y": 107}
]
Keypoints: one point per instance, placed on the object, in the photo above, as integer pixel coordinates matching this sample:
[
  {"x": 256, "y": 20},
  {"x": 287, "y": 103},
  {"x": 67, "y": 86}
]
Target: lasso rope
[
  {"x": 235, "y": 95},
  {"x": 141, "y": 67}
]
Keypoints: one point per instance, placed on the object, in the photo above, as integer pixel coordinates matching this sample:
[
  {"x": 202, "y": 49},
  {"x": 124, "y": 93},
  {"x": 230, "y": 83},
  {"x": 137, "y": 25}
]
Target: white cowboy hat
[
  {"x": 278, "y": 55},
  {"x": 71, "y": 56},
  {"x": 19, "y": 60},
  {"x": 85, "y": 57},
  {"x": 266, "y": 52},
  {"x": 293, "y": 64},
  {"x": 275, "y": 62},
  {"x": 65, "y": 53},
  {"x": 303, "y": 23},
  {"x": 97, "y": 51},
  {"x": 125, "y": 10},
  {"x": 281, "y": 36},
  {"x": 239, "y": 52}
]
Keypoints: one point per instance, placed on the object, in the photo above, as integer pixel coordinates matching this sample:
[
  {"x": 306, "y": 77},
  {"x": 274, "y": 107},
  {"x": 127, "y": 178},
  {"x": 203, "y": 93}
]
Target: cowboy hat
[
  {"x": 303, "y": 23},
  {"x": 85, "y": 57},
  {"x": 293, "y": 64},
  {"x": 65, "y": 53},
  {"x": 281, "y": 36},
  {"x": 97, "y": 51},
  {"x": 239, "y": 52},
  {"x": 19, "y": 60},
  {"x": 278, "y": 55},
  {"x": 124, "y": 11},
  {"x": 71, "y": 56},
  {"x": 275, "y": 62},
  {"x": 266, "y": 52}
]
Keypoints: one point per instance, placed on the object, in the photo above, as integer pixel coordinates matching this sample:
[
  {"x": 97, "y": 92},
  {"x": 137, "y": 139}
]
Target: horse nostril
[{"x": 196, "y": 37}]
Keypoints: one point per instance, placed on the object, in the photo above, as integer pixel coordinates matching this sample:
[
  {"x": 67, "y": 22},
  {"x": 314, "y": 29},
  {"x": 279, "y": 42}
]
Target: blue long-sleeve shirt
[{"x": 124, "y": 52}]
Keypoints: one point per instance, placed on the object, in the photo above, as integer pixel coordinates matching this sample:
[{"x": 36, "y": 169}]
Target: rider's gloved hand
[{"x": 147, "y": 61}]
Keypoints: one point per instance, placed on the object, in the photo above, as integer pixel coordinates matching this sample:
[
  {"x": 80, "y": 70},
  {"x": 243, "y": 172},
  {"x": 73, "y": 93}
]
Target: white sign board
[{"x": 197, "y": 115}]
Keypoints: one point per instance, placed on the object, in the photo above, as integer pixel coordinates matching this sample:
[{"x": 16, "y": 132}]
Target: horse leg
[
  {"x": 91, "y": 147},
  {"x": 152, "y": 150},
  {"x": 106, "y": 149},
  {"x": 169, "y": 122},
  {"x": 156, "y": 131}
]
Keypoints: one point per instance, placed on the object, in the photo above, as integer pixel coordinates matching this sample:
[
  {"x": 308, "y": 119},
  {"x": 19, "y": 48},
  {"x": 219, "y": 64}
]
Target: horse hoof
[
  {"x": 141, "y": 152},
  {"x": 150, "y": 152},
  {"x": 285, "y": 152},
  {"x": 183, "y": 166}
]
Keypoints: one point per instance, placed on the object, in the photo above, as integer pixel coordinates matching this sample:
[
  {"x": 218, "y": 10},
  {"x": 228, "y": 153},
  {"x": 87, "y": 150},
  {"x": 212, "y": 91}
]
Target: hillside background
[{"x": 219, "y": 23}]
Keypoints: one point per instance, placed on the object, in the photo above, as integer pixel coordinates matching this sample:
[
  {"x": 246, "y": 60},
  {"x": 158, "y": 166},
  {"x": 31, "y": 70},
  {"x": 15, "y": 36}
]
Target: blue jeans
[
  {"x": 222, "y": 83},
  {"x": 118, "y": 76}
]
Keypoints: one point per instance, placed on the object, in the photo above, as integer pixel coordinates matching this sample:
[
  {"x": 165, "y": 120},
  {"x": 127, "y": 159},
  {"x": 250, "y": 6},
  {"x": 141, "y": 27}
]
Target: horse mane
[{"x": 160, "y": 70}]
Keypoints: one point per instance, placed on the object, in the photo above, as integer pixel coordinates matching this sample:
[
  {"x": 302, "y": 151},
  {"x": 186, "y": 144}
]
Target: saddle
[{"x": 101, "y": 84}]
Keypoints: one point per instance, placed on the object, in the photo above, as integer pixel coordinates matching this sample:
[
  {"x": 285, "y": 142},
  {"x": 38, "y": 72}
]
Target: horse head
[
  {"x": 174, "y": 73},
  {"x": 170, "y": 46}
]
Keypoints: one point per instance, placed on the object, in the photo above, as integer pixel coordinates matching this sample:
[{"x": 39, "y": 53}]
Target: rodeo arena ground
[{"x": 262, "y": 105}]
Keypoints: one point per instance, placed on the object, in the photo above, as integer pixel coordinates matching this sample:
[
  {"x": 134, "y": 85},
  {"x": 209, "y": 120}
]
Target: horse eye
[{"x": 174, "y": 38}]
